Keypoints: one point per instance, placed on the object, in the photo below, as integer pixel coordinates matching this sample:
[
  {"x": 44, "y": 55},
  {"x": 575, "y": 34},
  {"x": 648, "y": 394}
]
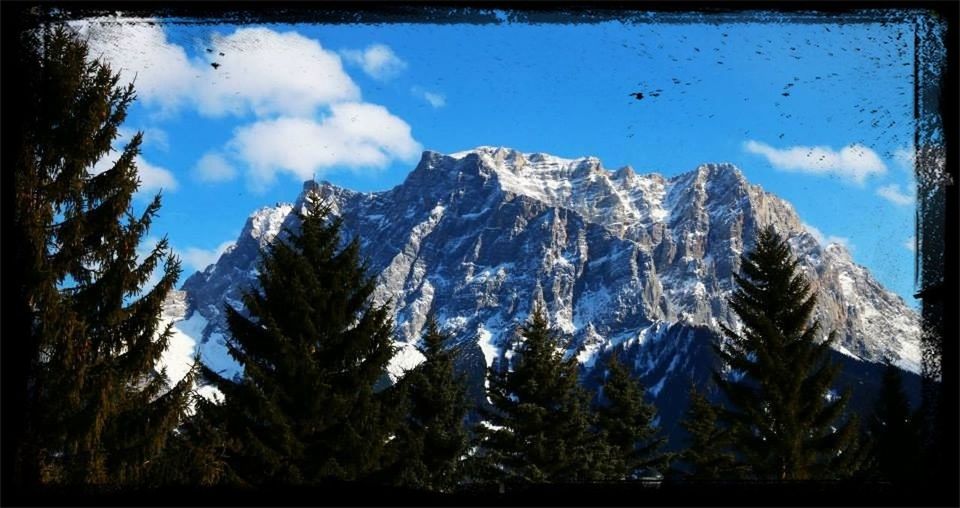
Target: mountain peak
[
  {"x": 720, "y": 168},
  {"x": 718, "y": 171},
  {"x": 506, "y": 157}
]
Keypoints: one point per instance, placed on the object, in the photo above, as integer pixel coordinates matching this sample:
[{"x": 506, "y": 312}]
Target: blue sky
[{"x": 820, "y": 114}]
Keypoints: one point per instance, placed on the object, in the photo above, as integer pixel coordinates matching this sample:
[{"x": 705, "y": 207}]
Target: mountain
[{"x": 620, "y": 260}]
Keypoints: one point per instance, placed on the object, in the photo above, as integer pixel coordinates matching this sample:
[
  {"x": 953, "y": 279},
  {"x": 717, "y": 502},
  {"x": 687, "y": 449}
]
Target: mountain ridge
[{"x": 479, "y": 236}]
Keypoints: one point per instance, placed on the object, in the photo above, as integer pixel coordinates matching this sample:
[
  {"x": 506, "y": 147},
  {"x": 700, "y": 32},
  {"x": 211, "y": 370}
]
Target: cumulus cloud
[
  {"x": 152, "y": 136},
  {"x": 905, "y": 158},
  {"x": 354, "y": 135},
  {"x": 853, "y": 162},
  {"x": 309, "y": 114},
  {"x": 156, "y": 138},
  {"x": 377, "y": 61},
  {"x": 152, "y": 177},
  {"x": 272, "y": 73},
  {"x": 214, "y": 167},
  {"x": 826, "y": 240},
  {"x": 893, "y": 194},
  {"x": 257, "y": 69},
  {"x": 161, "y": 72},
  {"x": 435, "y": 99},
  {"x": 200, "y": 259}
]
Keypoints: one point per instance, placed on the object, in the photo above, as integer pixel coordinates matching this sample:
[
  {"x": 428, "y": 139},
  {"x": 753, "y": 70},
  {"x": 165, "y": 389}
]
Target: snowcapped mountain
[{"x": 620, "y": 260}]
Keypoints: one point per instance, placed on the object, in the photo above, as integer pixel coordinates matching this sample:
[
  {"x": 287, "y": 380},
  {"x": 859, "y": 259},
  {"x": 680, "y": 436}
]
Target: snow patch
[
  {"x": 588, "y": 357},
  {"x": 485, "y": 341},
  {"x": 177, "y": 360},
  {"x": 405, "y": 359},
  {"x": 211, "y": 393},
  {"x": 214, "y": 354},
  {"x": 841, "y": 349},
  {"x": 910, "y": 357},
  {"x": 266, "y": 222}
]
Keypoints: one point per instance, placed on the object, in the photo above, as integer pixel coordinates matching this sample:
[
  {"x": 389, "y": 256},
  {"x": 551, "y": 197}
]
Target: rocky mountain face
[{"x": 620, "y": 260}]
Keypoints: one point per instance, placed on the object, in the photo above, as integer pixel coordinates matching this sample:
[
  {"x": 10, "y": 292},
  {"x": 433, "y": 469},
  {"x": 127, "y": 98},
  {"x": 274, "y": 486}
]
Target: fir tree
[
  {"x": 894, "y": 432},
  {"x": 312, "y": 350},
  {"x": 96, "y": 411},
  {"x": 708, "y": 454},
  {"x": 432, "y": 439},
  {"x": 625, "y": 424},
  {"x": 781, "y": 417},
  {"x": 196, "y": 455},
  {"x": 538, "y": 430}
]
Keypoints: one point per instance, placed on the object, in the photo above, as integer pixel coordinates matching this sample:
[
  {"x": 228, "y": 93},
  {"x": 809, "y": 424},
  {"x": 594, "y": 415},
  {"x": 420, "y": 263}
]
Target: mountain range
[{"x": 621, "y": 261}]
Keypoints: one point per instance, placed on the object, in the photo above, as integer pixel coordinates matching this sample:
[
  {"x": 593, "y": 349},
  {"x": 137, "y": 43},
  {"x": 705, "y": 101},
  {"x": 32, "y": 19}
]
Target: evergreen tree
[
  {"x": 781, "y": 417},
  {"x": 312, "y": 350},
  {"x": 708, "y": 454},
  {"x": 196, "y": 455},
  {"x": 95, "y": 409},
  {"x": 432, "y": 439},
  {"x": 894, "y": 432},
  {"x": 625, "y": 424},
  {"x": 538, "y": 430}
]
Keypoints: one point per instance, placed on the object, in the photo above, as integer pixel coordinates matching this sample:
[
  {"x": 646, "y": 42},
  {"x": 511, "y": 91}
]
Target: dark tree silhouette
[
  {"x": 95, "y": 408},
  {"x": 625, "y": 425},
  {"x": 782, "y": 423},
  {"x": 312, "y": 350},
  {"x": 432, "y": 439},
  {"x": 895, "y": 432},
  {"x": 538, "y": 430},
  {"x": 708, "y": 454}
]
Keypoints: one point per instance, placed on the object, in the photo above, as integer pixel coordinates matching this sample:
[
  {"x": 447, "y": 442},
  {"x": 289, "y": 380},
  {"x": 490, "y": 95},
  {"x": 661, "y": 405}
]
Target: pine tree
[
  {"x": 708, "y": 454},
  {"x": 432, "y": 440},
  {"x": 781, "y": 417},
  {"x": 312, "y": 350},
  {"x": 894, "y": 432},
  {"x": 538, "y": 430},
  {"x": 196, "y": 455},
  {"x": 96, "y": 411},
  {"x": 625, "y": 424}
]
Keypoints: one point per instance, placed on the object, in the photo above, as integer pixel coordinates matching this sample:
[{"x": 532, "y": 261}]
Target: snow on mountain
[
  {"x": 178, "y": 358},
  {"x": 618, "y": 259}
]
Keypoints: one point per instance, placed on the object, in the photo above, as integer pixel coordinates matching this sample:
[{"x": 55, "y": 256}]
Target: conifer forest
[{"x": 312, "y": 417}]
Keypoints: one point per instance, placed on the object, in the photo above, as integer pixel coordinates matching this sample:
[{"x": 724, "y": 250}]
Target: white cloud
[
  {"x": 354, "y": 135},
  {"x": 437, "y": 100},
  {"x": 152, "y": 136},
  {"x": 258, "y": 70},
  {"x": 157, "y": 138},
  {"x": 162, "y": 74},
  {"x": 826, "y": 240},
  {"x": 377, "y": 61},
  {"x": 853, "y": 162},
  {"x": 910, "y": 244},
  {"x": 272, "y": 73},
  {"x": 905, "y": 158},
  {"x": 199, "y": 259},
  {"x": 214, "y": 167},
  {"x": 309, "y": 111},
  {"x": 154, "y": 178},
  {"x": 893, "y": 194}
]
